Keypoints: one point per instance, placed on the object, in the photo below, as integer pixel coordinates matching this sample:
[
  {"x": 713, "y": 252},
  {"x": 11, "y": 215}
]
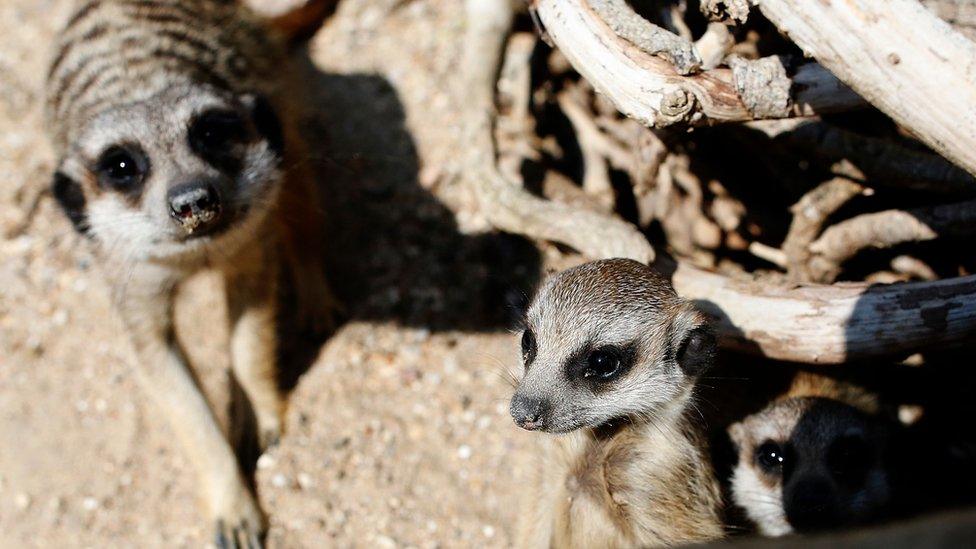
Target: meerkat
[
  {"x": 611, "y": 356},
  {"x": 813, "y": 459},
  {"x": 176, "y": 151}
]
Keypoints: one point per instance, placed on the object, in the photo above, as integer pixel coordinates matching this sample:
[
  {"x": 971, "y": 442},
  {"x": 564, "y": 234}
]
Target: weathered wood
[
  {"x": 898, "y": 56},
  {"x": 885, "y": 229},
  {"x": 505, "y": 204},
  {"x": 834, "y": 324},
  {"x": 650, "y": 90}
]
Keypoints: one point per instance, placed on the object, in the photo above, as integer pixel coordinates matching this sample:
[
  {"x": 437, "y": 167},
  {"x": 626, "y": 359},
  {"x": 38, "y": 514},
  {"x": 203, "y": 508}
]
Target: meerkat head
[
  {"x": 607, "y": 340},
  {"x": 810, "y": 463},
  {"x": 168, "y": 174}
]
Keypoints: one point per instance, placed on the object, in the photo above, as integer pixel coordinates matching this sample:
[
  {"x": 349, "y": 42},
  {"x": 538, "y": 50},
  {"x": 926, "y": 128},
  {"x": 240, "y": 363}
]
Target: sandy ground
[{"x": 398, "y": 434}]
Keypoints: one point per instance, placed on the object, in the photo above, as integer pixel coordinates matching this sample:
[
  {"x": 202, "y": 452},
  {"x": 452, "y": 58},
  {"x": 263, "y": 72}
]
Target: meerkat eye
[
  {"x": 770, "y": 456},
  {"x": 121, "y": 168},
  {"x": 602, "y": 364},
  {"x": 216, "y": 130},
  {"x": 528, "y": 347}
]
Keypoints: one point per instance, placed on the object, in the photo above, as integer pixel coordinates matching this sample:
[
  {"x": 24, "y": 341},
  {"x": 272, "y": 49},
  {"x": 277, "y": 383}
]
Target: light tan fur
[
  {"x": 131, "y": 71},
  {"x": 632, "y": 469},
  {"x": 641, "y": 485}
]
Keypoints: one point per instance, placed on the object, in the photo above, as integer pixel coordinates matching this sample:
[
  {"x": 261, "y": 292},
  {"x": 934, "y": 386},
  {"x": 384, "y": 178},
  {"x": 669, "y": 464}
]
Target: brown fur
[
  {"x": 633, "y": 469},
  {"x": 125, "y": 71}
]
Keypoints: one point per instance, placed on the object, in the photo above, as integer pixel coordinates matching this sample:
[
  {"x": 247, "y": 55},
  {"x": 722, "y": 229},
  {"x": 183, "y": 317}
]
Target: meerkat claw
[{"x": 242, "y": 536}]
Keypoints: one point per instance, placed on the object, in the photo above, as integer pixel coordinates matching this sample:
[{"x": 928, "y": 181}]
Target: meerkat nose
[
  {"x": 527, "y": 412},
  {"x": 194, "y": 205}
]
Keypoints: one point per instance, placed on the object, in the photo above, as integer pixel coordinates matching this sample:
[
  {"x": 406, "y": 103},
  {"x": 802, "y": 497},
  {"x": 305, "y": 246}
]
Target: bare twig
[
  {"x": 769, "y": 253},
  {"x": 881, "y": 161},
  {"x": 732, "y": 11},
  {"x": 834, "y": 324},
  {"x": 809, "y": 215},
  {"x": 649, "y": 89},
  {"x": 650, "y": 38},
  {"x": 913, "y": 267},
  {"x": 898, "y": 56},
  {"x": 596, "y": 174},
  {"x": 714, "y": 45},
  {"x": 506, "y": 205},
  {"x": 886, "y": 229},
  {"x": 515, "y": 126}
]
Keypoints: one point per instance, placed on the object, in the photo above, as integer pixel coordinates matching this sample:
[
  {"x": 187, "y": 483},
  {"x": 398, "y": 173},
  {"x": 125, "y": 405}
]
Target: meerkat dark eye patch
[
  {"x": 696, "y": 351},
  {"x": 267, "y": 123},
  {"x": 601, "y": 365},
  {"x": 122, "y": 168},
  {"x": 214, "y": 135},
  {"x": 771, "y": 457},
  {"x": 70, "y": 197},
  {"x": 528, "y": 347}
]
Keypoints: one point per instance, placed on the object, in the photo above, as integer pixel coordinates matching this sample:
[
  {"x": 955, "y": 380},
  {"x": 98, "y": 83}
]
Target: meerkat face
[
  {"x": 607, "y": 340},
  {"x": 809, "y": 463},
  {"x": 170, "y": 175}
]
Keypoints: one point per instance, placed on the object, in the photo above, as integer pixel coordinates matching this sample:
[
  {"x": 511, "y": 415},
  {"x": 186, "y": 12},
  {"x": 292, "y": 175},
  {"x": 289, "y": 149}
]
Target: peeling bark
[
  {"x": 834, "y": 324},
  {"x": 650, "y": 89}
]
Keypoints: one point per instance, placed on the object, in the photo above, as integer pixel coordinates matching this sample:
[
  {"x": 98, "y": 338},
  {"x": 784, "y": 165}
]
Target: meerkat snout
[
  {"x": 607, "y": 340},
  {"x": 195, "y": 206},
  {"x": 527, "y": 412}
]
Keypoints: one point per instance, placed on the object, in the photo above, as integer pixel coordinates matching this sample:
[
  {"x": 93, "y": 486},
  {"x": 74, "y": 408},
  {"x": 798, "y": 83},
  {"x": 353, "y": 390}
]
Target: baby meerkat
[
  {"x": 813, "y": 459},
  {"x": 611, "y": 356},
  {"x": 177, "y": 152}
]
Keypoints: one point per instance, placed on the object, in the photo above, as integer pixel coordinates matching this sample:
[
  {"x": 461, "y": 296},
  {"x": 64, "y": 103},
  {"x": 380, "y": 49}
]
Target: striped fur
[
  {"x": 158, "y": 109},
  {"x": 122, "y": 51}
]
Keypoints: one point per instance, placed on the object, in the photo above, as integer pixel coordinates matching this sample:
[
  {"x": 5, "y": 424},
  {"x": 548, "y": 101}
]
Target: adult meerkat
[
  {"x": 176, "y": 152},
  {"x": 611, "y": 356},
  {"x": 815, "y": 458}
]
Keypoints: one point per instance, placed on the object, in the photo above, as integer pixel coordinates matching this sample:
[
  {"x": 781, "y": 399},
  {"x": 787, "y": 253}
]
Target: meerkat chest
[
  {"x": 632, "y": 491},
  {"x": 590, "y": 510}
]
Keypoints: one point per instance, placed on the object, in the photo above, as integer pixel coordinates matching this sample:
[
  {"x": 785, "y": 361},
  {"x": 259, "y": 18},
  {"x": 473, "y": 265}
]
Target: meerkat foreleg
[
  {"x": 145, "y": 301},
  {"x": 252, "y": 306}
]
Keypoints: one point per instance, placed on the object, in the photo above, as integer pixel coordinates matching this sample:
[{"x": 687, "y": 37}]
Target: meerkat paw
[{"x": 241, "y": 525}]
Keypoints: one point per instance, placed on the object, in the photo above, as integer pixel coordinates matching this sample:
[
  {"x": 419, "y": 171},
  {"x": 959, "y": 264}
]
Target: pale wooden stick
[
  {"x": 900, "y": 57},
  {"x": 506, "y": 204},
  {"x": 650, "y": 90},
  {"x": 834, "y": 324}
]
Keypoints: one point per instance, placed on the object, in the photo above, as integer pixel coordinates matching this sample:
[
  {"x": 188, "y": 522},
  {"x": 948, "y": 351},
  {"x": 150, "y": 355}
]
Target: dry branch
[
  {"x": 883, "y": 162},
  {"x": 886, "y": 229},
  {"x": 596, "y": 174},
  {"x": 651, "y": 39},
  {"x": 809, "y": 215},
  {"x": 714, "y": 45},
  {"x": 834, "y": 324},
  {"x": 900, "y": 57},
  {"x": 505, "y": 204},
  {"x": 733, "y": 11},
  {"x": 650, "y": 90}
]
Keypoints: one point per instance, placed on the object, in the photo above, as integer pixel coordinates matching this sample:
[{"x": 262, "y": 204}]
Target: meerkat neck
[{"x": 640, "y": 483}]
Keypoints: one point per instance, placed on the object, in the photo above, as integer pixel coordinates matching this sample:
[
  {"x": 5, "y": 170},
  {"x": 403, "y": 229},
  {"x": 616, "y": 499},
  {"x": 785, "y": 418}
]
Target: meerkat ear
[
  {"x": 70, "y": 197},
  {"x": 266, "y": 120},
  {"x": 695, "y": 349},
  {"x": 737, "y": 434}
]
